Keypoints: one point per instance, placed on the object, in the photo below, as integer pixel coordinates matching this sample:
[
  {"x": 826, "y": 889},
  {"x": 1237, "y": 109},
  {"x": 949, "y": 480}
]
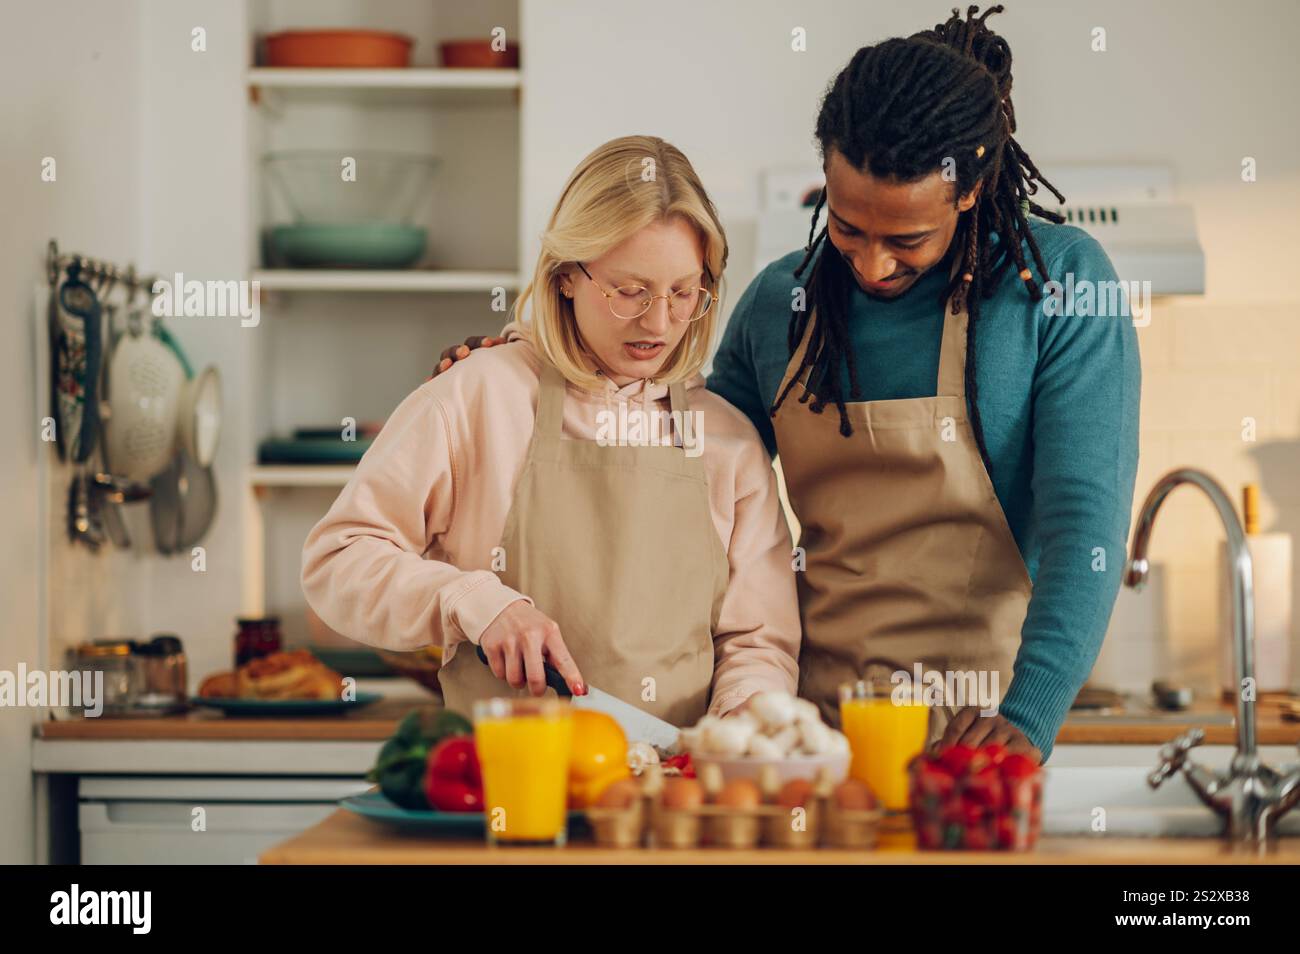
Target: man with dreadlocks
[{"x": 961, "y": 462}]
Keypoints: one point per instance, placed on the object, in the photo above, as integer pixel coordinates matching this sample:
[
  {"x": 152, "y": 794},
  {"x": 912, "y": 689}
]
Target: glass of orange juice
[
  {"x": 883, "y": 736},
  {"x": 523, "y": 751}
]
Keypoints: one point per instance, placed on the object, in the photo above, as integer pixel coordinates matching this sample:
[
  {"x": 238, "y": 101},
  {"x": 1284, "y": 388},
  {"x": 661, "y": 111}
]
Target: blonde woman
[{"x": 577, "y": 497}]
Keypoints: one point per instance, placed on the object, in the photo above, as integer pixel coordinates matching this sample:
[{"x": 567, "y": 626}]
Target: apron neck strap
[
  {"x": 952, "y": 347},
  {"x": 550, "y": 402}
]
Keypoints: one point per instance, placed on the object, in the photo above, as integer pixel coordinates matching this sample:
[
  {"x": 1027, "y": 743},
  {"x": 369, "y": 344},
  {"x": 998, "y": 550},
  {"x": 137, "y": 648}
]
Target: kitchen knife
[{"x": 637, "y": 724}]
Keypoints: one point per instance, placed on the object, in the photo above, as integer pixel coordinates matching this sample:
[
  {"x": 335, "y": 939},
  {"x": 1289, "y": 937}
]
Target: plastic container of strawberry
[{"x": 964, "y": 799}]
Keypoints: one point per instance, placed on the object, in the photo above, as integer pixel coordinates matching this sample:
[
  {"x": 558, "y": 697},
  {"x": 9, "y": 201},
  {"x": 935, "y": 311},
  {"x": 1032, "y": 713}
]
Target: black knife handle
[{"x": 553, "y": 677}]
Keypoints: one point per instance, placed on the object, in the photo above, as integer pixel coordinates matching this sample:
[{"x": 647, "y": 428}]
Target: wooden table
[{"x": 347, "y": 839}]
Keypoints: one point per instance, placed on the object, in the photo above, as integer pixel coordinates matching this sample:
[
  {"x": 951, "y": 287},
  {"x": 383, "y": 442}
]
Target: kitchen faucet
[{"x": 1250, "y": 796}]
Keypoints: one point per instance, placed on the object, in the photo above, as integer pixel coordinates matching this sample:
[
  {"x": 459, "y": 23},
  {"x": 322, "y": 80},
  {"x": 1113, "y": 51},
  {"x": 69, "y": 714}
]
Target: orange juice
[
  {"x": 523, "y": 750},
  {"x": 884, "y": 737}
]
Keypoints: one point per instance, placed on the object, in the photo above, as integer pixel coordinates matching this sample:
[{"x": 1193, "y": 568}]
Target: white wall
[
  {"x": 1195, "y": 83},
  {"x": 71, "y": 95},
  {"x": 196, "y": 221}
]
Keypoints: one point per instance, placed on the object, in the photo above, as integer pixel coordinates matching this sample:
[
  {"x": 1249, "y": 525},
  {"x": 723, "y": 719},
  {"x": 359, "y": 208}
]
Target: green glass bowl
[{"x": 368, "y": 245}]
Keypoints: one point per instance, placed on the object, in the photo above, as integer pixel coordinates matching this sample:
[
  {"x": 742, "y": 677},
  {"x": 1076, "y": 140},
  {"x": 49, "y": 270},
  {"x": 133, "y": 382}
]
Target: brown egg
[
  {"x": 682, "y": 794},
  {"x": 620, "y": 794},
  {"x": 739, "y": 793},
  {"x": 853, "y": 796},
  {"x": 795, "y": 793}
]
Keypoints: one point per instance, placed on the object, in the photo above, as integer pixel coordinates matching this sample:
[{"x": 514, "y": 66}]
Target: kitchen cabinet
[
  {"x": 198, "y": 820},
  {"x": 129, "y": 787}
]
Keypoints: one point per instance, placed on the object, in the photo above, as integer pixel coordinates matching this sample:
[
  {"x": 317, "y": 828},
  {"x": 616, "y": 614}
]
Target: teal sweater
[{"x": 1058, "y": 398}]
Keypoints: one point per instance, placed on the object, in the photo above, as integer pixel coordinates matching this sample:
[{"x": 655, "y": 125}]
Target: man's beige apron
[
  {"x": 617, "y": 545},
  {"x": 909, "y": 555}
]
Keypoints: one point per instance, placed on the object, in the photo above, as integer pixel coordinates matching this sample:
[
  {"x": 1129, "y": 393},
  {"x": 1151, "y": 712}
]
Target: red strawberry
[
  {"x": 932, "y": 780},
  {"x": 957, "y": 758},
  {"x": 978, "y": 839},
  {"x": 995, "y": 752},
  {"x": 987, "y": 788},
  {"x": 1017, "y": 765},
  {"x": 1008, "y": 832}
]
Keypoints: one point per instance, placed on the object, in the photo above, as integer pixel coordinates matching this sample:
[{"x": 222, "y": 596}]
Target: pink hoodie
[{"x": 402, "y": 558}]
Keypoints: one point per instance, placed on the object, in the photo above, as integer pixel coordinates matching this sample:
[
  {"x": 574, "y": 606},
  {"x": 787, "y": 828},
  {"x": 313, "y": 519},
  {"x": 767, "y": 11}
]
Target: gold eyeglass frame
[{"x": 649, "y": 302}]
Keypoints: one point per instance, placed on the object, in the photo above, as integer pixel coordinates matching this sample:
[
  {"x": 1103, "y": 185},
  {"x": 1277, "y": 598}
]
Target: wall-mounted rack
[{"x": 108, "y": 274}]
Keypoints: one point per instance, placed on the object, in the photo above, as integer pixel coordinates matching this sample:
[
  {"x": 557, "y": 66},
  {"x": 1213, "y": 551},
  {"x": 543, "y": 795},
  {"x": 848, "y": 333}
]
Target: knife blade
[{"x": 637, "y": 724}]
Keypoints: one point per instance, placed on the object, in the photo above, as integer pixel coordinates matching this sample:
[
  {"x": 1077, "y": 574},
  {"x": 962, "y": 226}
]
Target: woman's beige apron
[
  {"x": 617, "y": 545},
  {"x": 909, "y": 555}
]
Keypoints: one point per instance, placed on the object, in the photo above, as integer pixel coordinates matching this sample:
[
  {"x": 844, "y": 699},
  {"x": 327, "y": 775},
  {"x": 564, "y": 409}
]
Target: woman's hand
[
  {"x": 737, "y": 710},
  {"x": 456, "y": 352},
  {"x": 520, "y": 641}
]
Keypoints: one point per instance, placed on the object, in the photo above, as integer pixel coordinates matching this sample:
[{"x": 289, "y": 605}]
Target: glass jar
[
  {"x": 256, "y": 637},
  {"x": 121, "y": 673},
  {"x": 163, "y": 674}
]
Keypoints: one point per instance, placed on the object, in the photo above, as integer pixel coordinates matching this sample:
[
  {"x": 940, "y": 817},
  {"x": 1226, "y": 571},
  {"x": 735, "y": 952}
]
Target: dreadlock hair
[{"x": 898, "y": 110}]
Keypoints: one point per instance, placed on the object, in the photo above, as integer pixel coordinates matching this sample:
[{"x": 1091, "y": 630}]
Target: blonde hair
[{"x": 621, "y": 187}]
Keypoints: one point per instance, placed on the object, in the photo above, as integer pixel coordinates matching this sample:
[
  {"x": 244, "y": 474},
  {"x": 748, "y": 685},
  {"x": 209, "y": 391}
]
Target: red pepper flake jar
[{"x": 966, "y": 799}]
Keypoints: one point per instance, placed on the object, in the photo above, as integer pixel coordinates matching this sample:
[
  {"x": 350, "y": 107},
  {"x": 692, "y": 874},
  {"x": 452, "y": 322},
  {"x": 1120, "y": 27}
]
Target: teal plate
[
  {"x": 376, "y": 807},
  {"x": 287, "y": 707}
]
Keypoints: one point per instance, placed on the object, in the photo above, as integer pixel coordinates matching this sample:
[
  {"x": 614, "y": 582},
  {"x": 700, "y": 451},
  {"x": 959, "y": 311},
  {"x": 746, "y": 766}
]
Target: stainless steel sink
[{"x": 1084, "y": 788}]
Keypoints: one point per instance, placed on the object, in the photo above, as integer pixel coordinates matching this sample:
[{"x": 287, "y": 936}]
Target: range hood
[{"x": 1128, "y": 207}]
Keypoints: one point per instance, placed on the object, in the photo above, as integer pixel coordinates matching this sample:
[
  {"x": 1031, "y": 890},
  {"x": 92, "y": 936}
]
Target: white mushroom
[
  {"x": 787, "y": 740},
  {"x": 693, "y": 738},
  {"x": 728, "y": 738},
  {"x": 764, "y": 747},
  {"x": 805, "y": 710},
  {"x": 639, "y": 755},
  {"x": 775, "y": 710},
  {"x": 814, "y": 738}
]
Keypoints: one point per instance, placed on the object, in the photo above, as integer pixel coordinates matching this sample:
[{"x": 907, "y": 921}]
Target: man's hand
[
  {"x": 970, "y": 728},
  {"x": 456, "y": 352}
]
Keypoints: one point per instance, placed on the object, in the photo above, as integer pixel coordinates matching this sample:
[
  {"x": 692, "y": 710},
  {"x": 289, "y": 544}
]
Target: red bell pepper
[
  {"x": 682, "y": 762},
  {"x": 453, "y": 781}
]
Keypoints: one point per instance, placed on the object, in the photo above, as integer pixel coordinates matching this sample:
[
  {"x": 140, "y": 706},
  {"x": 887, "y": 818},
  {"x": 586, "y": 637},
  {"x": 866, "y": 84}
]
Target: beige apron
[
  {"x": 909, "y": 555},
  {"x": 618, "y": 546}
]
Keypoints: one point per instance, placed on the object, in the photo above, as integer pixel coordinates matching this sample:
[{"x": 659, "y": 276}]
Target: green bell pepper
[{"x": 399, "y": 770}]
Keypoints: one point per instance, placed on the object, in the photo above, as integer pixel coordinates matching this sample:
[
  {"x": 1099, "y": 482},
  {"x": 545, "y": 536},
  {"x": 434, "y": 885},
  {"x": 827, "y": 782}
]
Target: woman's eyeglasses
[{"x": 629, "y": 302}]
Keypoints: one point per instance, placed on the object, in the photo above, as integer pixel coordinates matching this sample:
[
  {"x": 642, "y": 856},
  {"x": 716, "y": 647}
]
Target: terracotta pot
[
  {"x": 369, "y": 49},
  {"x": 478, "y": 55}
]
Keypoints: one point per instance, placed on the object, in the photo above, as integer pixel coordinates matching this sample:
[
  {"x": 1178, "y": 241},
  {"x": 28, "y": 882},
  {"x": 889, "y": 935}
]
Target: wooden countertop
[
  {"x": 377, "y": 722},
  {"x": 347, "y": 839},
  {"x": 374, "y": 722}
]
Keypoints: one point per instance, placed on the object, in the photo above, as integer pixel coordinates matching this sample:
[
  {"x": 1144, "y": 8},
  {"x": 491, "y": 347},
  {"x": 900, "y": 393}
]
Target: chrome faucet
[{"x": 1250, "y": 796}]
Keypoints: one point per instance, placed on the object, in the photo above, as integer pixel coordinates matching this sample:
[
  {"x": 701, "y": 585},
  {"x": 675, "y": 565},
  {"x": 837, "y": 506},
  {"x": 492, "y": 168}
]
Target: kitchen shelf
[
  {"x": 300, "y": 475},
  {"x": 359, "y": 280},
  {"x": 385, "y": 85},
  {"x": 472, "y": 120}
]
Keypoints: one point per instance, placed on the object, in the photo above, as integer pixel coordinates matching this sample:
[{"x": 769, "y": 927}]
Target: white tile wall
[{"x": 1207, "y": 365}]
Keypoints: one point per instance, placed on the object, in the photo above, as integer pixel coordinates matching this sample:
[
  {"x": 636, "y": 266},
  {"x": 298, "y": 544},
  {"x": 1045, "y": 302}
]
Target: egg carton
[{"x": 649, "y": 823}]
